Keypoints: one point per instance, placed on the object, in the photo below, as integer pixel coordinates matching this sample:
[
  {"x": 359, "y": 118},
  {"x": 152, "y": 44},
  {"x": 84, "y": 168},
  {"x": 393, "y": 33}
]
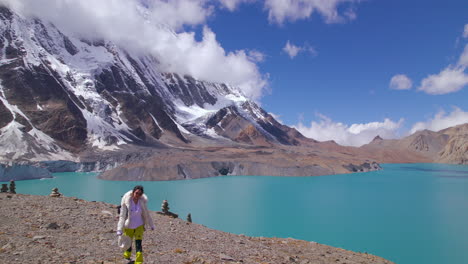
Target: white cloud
[
  {"x": 442, "y": 120},
  {"x": 400, "y": 82},
  {"x": 463, "y": 61},
  {"x": 157, "y": 29},
  {"x": 293, "y": 50},
  {"x": 276, "y": 117},
  {"x": 208, "y": 60},
  {"x": 465, "y": 32},
  {"x": 350, "y": 14},
  {"x": 292, "y": 10},
  {"x": 449, "y": 80},
  {"x": 177, "y": 13},
  {"x": 359, "y": 134},
  {"x": 256, "y": 56},
  {"x": 354, "y": 135},
  {"x": 231, "y": 5}
]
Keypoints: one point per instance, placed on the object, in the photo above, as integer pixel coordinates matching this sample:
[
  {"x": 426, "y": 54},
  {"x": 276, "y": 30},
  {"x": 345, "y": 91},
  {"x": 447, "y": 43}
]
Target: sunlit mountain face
[{"x": 61, "y": 95}]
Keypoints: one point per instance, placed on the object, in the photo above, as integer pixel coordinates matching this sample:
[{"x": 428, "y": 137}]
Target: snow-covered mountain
[{"x": 61, "y": 95}]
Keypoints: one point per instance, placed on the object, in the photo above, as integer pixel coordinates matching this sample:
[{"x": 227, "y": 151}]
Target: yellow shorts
[{"x": 136, "y": 233}]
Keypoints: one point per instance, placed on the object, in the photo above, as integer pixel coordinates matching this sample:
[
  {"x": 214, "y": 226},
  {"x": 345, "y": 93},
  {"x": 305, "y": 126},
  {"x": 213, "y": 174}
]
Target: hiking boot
[{"x": 127, "y": 255}]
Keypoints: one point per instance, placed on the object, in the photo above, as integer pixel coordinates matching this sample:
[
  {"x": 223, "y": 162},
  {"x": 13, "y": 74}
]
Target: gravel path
[{"x": 42, "y": 229}]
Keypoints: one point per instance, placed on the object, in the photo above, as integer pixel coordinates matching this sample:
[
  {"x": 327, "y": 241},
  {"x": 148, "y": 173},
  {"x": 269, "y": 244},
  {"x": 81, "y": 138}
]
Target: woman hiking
[{"x": 134, "y": 216}]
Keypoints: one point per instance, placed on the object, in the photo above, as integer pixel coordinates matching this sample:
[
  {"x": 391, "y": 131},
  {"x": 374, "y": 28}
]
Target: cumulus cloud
[
  {"x": 280, "y": 11},
  {"x": 349, "y": 135},
  {"x": 465, "y": 32},
  {"x": 451, "y": 79},
  {"x": 177, "y": 13},
  {"x": 293, "y": 50},
  {"x": 292, "y": 10},
  {"x": 359, "y": 134},
  {"x": 233, "y": 4},
  {"x": 256, "y": 55},
  {"x": 400, "y": 82},
  {"x": 463, "y": 61},
  {"x": 157, "y": 27},
  {"x": 442, "y": 120}
]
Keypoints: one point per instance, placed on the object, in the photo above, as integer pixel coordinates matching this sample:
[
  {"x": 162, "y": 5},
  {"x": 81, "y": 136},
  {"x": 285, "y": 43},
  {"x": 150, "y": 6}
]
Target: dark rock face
[
  {"x": 5, "y": 115},
  {"x": 22, "y": 172},
  {"x": 189, "y": 90},
  {"x": 377, "y": 138},
  {"x": 60, "y": 117},
  {"x": 218, "y": 117},
  {"x": 283, "y": 134},
  {"x": 5, "y": 13},
  {"x": 60, "y": 166},
  {"x": 228, "y": 122},
  {"x": 365, "y": 167},
  {"x": 69, "y": 46},
  {"x": 223, "y": 168},
  {"x": 235, "y": 123}
]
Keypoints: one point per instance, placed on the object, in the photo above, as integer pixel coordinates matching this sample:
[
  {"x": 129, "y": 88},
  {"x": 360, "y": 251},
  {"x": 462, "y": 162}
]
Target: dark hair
[{"x": 138, "y": 187}]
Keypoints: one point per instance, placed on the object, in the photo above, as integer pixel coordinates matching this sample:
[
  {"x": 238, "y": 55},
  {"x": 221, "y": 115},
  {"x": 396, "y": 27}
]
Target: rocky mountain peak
[{"x": 67, "y": 95}]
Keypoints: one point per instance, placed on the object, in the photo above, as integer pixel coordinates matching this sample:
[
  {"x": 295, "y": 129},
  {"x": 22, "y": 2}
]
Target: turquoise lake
[{"x": 407, "y": 213}]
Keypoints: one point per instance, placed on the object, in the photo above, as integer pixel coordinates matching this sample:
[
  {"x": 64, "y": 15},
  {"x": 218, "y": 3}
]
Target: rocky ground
[{"x": 42, "y": 229}]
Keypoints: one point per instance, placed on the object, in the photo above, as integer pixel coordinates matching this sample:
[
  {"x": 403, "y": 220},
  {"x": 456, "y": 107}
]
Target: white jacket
[{"x": 124, "y": 220}]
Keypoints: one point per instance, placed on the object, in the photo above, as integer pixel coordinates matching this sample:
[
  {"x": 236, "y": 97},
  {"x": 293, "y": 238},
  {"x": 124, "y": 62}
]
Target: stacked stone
[
  {"x": 189, "y": 218},
  {"x": 12, "y": 186},
  {"x": 165, "y": 210},
  {"x": 165, "y": 207},
  {"x": 55, "y": 193},
  {"x": 4, "y": 188}
]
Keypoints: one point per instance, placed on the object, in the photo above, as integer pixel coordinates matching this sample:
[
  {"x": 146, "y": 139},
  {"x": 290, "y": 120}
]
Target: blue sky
[
  {"x": 347, "y": 78},
  {"x": 322, "y": 66}
]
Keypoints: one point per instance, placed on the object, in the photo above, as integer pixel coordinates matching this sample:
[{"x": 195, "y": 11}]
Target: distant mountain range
[
  {"x": 101, "y": 106},
  {"x": 445, "y": 146}
]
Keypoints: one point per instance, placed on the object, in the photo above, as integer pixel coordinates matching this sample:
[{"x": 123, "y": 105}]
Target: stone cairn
[
  {"x": 4, "y": 188},
  {"x": 165, "y": 207},
  {"x": 165, "y": 210},
  {"x": 12, "y": 186},
  {"x": 55, "y": 193},
  {"x": 189, "y": 218}
]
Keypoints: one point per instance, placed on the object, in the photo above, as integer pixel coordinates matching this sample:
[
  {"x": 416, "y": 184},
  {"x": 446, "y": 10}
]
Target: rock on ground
[{"x": 42, "y": 229}]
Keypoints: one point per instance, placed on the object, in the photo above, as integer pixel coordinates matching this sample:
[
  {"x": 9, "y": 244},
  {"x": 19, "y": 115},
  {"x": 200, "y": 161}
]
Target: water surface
[{"x": 406, "y": 213}]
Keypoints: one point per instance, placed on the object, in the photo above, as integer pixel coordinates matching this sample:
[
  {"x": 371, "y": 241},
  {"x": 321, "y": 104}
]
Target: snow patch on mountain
[
  {"x": 77, "y": 71},
  {"x": 15, "y": 143},
  {"x": 11, "y": 141},
  {"x": 104, "y": 128},
  {"x": 113, "y": 89}
]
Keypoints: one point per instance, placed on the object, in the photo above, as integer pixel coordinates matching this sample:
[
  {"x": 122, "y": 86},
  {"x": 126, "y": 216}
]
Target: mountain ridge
[
  {"x": 105, "y": 96},
  {"x": 63, "y": 97},
  {"x": 445, "y": 146}
]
